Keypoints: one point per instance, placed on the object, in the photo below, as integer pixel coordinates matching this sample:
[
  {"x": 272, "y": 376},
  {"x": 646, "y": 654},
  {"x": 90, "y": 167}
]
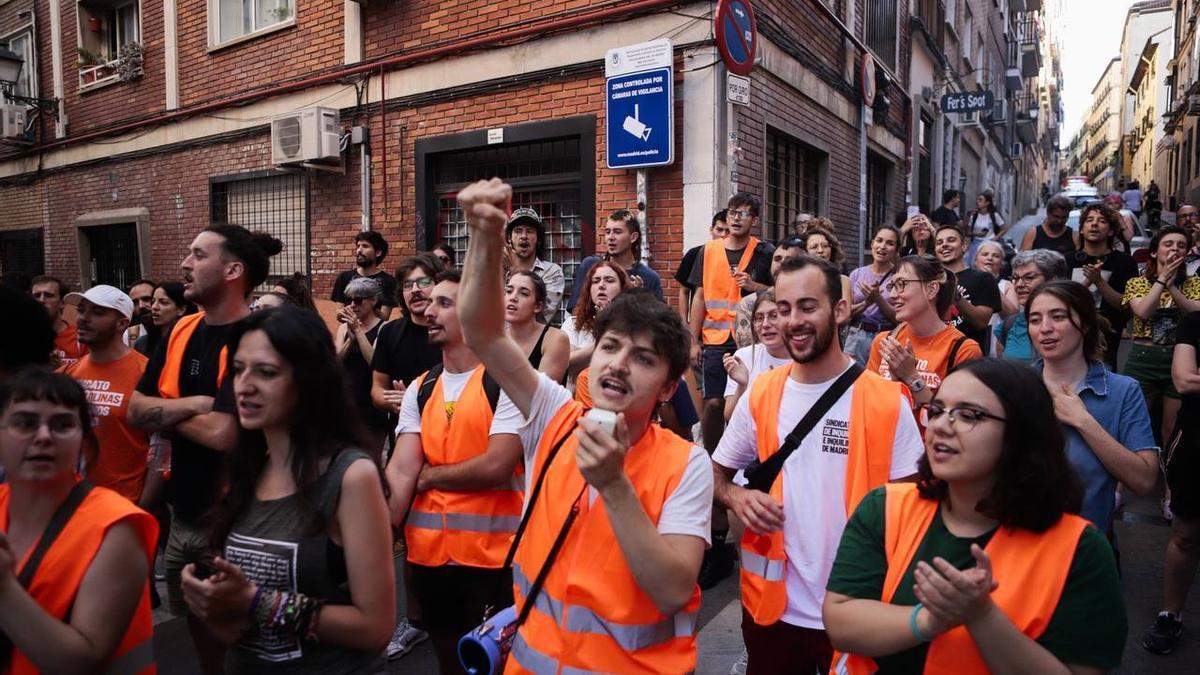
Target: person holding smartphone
[{"x": 1159, "y": 298}]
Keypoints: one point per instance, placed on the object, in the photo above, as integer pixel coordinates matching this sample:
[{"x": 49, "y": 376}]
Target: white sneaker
[
  {"x": 739, "y": 668},
  {"x": 404, "y": 638}
]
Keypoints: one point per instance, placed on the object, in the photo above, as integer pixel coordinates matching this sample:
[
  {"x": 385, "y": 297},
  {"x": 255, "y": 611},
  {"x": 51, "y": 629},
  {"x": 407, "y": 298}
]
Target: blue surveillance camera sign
[{"x": 640, "y": 115}]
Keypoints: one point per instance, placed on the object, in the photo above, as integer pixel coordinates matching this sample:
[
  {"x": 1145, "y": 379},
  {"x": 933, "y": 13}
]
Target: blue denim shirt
[
  {"x": 1116, "y": 402},
  {"x": 1017, "y": 345}
]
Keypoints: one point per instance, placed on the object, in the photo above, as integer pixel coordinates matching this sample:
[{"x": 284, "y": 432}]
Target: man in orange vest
[
  {"x": 185, "y": 391},
  {"x": 724, "y": 272},
  {"x": 617, "y": 521},
  {"x": 865, "y": 437},
  {"x": 455, "y": 483}
]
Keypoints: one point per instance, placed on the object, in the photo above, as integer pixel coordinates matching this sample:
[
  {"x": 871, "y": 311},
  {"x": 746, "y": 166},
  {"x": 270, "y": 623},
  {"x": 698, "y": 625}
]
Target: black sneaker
[
  {"x": 717, "y": 564},
  {"x": 1163, "y": 635}
]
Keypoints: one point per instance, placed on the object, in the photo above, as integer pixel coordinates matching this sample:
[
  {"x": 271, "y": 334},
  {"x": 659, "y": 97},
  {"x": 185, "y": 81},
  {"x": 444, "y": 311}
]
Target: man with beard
[
  {"x": 109, "y": 372},
  {"x": 187, "y": 390},
  {"x": 620, "y": 595},
  {"x": 456, "y": 487},
  {"x": 1054, "y": 233},
  {"x": 49, "y": 292},
  {"x": 370, "y": 248},
  {"x": 525, "y": 234},
  {"x": 978, "y": 293},
  {"x": 142, "y": 295},
  {"x": 857, "y": 442},
  {"x": 622, "y": 245}
]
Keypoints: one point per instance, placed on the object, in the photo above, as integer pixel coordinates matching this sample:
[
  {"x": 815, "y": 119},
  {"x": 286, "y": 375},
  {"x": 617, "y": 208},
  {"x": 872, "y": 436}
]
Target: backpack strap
[
  {"x": 953, "y": 362},
  {"x": 492, "y": 389},
  {"x": 427, "y": 385}
]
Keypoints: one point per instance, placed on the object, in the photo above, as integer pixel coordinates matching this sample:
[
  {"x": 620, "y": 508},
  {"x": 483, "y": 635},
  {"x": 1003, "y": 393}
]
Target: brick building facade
[{"x": 118, "y": 173}]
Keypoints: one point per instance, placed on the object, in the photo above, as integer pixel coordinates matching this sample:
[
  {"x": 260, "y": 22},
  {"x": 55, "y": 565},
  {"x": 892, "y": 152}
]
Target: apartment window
[
  {"x": 793, "y": 183},
  {"x": 276, "y": 203},
  {"x": 232, "y": 19},
  {"x": 22, "y": 252},
  {"x": 21, "y": 43},
  {"x": 881, "y": 30},
  {"x": 879, "y": 181},
  {"x": 106, "y": 29}
]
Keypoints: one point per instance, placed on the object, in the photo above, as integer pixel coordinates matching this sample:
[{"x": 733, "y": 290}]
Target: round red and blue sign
[{"x": 737, "y": 35}]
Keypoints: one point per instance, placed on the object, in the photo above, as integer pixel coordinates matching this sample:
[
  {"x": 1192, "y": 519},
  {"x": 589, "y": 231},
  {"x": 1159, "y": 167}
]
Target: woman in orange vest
[
  {"x": 66, "y": 548},
  {"x": 982, "y": 565},
  {"x": 305, "y": 580}
]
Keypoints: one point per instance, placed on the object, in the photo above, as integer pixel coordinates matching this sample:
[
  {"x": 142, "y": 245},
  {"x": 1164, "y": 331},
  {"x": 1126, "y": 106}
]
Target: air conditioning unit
[
  {"x": 306, "y": 135},
  {"x": 13, "y": 119},
  {"x": 999, "y": 113},
  {"x": 968, "y": 119},
  {"x": 1015, "y": 151}
]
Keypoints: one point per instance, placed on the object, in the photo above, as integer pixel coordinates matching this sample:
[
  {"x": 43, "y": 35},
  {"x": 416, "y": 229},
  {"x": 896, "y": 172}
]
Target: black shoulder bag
[
  {"x": 761, "y": 475},
  {"x": 54, "y": 528}
]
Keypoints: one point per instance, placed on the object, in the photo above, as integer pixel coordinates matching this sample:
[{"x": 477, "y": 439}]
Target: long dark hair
[
  {"x": 1035, "y": 483},
  {"x": 174, "y": 292},
  {"x": 297, "y": 286},
  {"x": 1152, "y": 263},
  {"x": 39, "y": 383},
  {"x": 323, "y": 423},
  {"x": 1081, "y": 306}
]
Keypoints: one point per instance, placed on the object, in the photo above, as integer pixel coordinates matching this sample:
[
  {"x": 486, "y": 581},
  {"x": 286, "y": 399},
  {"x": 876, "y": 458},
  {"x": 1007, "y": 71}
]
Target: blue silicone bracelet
[{"x": 912, "y": 624}]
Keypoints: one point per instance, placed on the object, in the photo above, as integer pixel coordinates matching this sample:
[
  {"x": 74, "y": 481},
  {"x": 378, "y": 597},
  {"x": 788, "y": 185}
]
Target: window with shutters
[
  {"x": 271, "y": 202},
  {"x": 880, "y": 30},
  {"x": 793, "y": 183}
]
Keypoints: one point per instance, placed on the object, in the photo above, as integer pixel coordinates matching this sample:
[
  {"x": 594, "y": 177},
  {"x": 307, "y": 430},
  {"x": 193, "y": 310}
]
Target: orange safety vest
[
  {"x": 592, "y": 616},
  {"x": 61, "y": 571},
  {"x": 467, "y": 528},
  {"x": 721, "y": 292},
  {"x": 181, "y": 334},
  {"x": 582, "y": 393},
  {"x": 874, "y": 413},
  {"x": 1032, "y": 569}
]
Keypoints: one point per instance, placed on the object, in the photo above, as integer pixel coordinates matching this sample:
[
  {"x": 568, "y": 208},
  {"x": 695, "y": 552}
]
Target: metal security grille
[
  {"x": 114, "y": 251},
  {"x": 545, "y": 176},
  {"x": 793, "y": 183},
  {"x": 880, "y": 30},
  {"x": 22, "y": 252},
  {"x": 878, "y": 174},
  {"x": 272, "y": 203}
]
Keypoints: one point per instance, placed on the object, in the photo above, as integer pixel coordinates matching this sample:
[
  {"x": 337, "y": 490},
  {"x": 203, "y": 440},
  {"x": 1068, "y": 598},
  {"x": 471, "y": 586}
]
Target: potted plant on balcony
[
  {"x": 94, "y": 24},
  {"x": 129, "y": 61}
]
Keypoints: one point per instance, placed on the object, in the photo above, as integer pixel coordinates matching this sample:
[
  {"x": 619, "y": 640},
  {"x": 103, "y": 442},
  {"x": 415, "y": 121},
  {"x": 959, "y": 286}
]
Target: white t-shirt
[
  {"x": 758, "y": 361},
  {"x": 506, "y": 420},
  {"x": 578, "y": 339},
  {"x": 985, "y": 226},
  {"x": 689, "y": 508},
  {"x": 814, "y": 485}
]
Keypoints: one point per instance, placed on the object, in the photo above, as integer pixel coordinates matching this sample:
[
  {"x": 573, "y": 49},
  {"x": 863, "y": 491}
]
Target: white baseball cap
[{"x": 104, "y": 296}]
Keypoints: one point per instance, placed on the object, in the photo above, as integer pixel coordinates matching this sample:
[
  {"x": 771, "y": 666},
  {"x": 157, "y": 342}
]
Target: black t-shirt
[
  {"x": 979, "y": 288},
  {"x": 403, "y": 352},
  {"x": 1118, "y": 268},
  {"x": 683, "y": 275},
  {"x": 195, "y": 469},
  {"x": 1188, "y": 333},
  {"x": 759, "y": 268},
  {"x": 359, "y": 380},
  {"x": 387, "y": 281},
  {"x": 944, "y": 216}
]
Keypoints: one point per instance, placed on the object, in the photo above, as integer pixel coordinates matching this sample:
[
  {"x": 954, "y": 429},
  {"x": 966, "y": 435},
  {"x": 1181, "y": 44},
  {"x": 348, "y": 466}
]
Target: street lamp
[{"x": 10, "y": 71}]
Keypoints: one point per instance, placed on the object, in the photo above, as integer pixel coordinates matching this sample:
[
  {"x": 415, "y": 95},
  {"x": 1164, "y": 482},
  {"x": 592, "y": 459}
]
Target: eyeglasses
[
  {"x": 421, "y": 282},
  {"x": 961, "y": 419},
  {"x": 898, "y": 284},
  {"x": 25, "y": 425},
  {"x": 759, "y": 319},
  {"x": 1031, "y": 278},
  {"x": 740, "y": 214},
  {"x": 356, "y": 301}
]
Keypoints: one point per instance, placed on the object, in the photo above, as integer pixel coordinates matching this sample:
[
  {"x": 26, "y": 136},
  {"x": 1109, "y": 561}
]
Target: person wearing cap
[
  {"x": 524, "y": 234},
  {"x": 109, "y": 373}
]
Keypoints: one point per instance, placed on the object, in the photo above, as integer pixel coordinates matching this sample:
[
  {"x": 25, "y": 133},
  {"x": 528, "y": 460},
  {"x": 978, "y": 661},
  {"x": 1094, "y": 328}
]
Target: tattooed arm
[{"x": 155, "y": 414}]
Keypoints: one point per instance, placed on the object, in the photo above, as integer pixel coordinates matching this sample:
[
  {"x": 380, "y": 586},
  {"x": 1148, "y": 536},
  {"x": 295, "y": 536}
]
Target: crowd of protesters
[{"x": 914, "y": 465}]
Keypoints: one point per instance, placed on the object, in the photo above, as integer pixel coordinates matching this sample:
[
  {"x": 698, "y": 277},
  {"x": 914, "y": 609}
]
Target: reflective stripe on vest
[
  {"x": 875, "y": 410},
  {"x": 591, "y": 615},
  {"x": 472, "y": 528},
  {"x": 56, "y": 583},
  {"x": 1032, "y": 568},
  {"x": 181, "y": 334},
  {"x": 721, "y": 292}
]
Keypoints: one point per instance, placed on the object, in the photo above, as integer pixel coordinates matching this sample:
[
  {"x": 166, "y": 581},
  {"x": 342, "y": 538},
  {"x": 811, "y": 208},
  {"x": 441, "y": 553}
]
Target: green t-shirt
[{"x": 1088, "y": 626}]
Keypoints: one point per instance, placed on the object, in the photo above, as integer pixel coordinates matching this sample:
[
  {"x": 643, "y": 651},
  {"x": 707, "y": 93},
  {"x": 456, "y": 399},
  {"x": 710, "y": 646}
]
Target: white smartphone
[
  {"x": 913, "y": 210},
  {"x": 606, "y": 419}
]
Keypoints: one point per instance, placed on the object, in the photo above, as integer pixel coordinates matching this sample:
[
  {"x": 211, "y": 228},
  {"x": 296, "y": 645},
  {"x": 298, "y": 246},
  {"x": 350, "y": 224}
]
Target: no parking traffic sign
[{"x": 737, "y": 35}]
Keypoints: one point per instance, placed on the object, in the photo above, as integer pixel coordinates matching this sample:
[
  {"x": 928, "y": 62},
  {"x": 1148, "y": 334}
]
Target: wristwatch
[{"x": 917, "y": 385}]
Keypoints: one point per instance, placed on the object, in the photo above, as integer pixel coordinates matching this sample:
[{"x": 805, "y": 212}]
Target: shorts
[
  {"x": 453, "y": 598},
  {"x": 1150, "y": 365},
  {"x": 186, "y": 544},
  {"x": 1183, "y": 476},
  {"x": 858, "y": 344},
  {"x": 713, "y": 365},
  {"x": 784, "y": 649}
]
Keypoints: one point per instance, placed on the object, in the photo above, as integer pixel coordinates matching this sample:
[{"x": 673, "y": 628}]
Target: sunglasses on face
[{"x": 422, "y": 282}]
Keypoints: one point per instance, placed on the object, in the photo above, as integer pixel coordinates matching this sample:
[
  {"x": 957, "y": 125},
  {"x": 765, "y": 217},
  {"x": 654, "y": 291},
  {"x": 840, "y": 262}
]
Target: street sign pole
[{"x": 643, "y": 179}]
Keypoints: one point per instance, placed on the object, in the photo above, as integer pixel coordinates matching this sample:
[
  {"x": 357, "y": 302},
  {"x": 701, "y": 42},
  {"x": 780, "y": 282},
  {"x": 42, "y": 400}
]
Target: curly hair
[
  {"x": 817, "y": 227},
  {"x": 585, "y": 309},
  {"x": 1035, "y": 483},
  {"x": 1110, "y": 216}
]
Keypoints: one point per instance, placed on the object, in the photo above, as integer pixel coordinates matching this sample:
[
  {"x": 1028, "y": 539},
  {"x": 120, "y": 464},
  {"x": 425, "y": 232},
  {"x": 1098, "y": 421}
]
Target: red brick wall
[{"x": 396, "y": 26}]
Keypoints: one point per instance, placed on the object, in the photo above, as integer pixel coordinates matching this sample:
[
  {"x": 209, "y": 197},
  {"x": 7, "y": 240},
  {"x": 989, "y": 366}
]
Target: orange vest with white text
[
  {"x": 467, "y": 528},
  {"x": 181, "y": 334},
  {"x": 1031, "y": 567},
  {"x": 721, "y": 292},
  {"x": 875, "y": 410},
  {"x": 591, "y": 615},
  {"x": 58, "y": 577}
]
